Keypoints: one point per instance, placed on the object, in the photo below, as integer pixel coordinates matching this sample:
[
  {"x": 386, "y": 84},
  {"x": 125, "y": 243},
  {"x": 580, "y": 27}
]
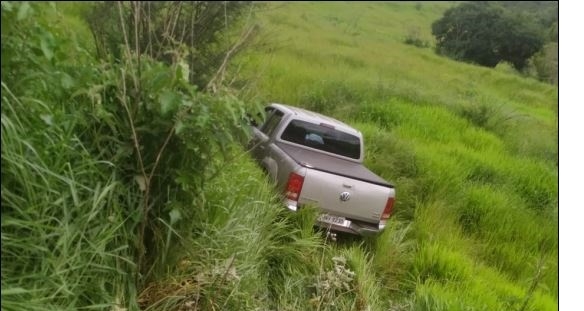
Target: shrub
[
  {"x": 167, "y": 31},
  {"x": 413, "y": 38},
  {"x": 546, "y": 63}
]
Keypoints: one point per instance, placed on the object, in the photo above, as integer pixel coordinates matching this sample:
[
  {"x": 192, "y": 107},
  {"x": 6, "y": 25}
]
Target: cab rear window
[{"x": 323, "y": 138}]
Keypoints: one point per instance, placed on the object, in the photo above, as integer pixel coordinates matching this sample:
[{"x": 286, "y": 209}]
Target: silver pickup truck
[{"x": 317, "y": 160}]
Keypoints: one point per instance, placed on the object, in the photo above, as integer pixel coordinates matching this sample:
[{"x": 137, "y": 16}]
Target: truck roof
[{"x": 316, "y": 117}]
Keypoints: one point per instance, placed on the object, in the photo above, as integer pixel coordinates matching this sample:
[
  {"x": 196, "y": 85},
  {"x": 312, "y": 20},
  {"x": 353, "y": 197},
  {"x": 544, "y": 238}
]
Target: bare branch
[
  {"x": 133, "y": 128},
  {"x": 219, "y": 75},
  {"x": 126, "y": 40},
  {"x": 137, "y": 17}
]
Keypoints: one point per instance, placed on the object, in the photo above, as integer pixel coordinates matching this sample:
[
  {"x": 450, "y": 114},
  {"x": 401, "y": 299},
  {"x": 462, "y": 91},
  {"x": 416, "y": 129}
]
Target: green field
[{"x": 472, "y": 151}]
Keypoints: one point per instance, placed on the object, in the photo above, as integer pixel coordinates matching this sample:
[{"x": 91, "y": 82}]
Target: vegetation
[
  {"x": 546, "y": 63},
  {"x": 102, "y": 162},
  {"x": 413, "y": 38},
  {"x": 472, "y": 150},
  {"x": 484, "y": 34},
  {"x": 125, "y": 186},
  {"x": 544, "y": 14},
  {"x": 192, "y": 32}
]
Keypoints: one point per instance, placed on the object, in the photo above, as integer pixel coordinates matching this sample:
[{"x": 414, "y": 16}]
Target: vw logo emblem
[{"x": 345, "y": 196}]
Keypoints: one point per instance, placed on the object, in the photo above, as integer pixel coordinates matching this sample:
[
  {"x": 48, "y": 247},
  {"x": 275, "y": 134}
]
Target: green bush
[
  {"x": 546, "y": 63},
  {"x": 193, "y": 32},
  {"x": 413, "y": 38},
  {"x": 102, "y": 164}
]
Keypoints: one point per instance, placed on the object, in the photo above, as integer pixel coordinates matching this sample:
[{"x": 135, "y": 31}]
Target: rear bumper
[{"x": 357, "y": 228}]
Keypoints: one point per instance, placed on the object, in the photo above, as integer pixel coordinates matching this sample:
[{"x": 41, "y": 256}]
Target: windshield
[{"x": 323, "y": 138}]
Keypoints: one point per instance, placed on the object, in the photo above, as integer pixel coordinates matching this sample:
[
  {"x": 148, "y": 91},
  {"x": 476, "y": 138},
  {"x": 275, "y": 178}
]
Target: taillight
[
  {"x": 388, "y": 208},
  {"x": 294, "y": 187}
]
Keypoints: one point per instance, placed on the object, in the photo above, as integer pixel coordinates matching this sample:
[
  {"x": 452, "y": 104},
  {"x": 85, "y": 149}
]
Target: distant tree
[
  {"x": 484, "y": 34},
  {"x": 465, "y": 33},
  {"x": 544, "y": 13},
  {"x": 520, "y": 40}
]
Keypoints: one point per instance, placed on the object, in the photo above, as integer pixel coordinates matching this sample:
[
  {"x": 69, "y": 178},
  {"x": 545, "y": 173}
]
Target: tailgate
[{"x": 360, "y": 200}]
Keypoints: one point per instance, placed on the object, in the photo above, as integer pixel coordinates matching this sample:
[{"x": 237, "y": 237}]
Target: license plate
[{"x": 335, "y": 220}]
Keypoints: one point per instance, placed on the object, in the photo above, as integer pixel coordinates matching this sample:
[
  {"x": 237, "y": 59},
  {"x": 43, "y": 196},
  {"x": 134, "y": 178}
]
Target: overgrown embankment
[
  {"x": 472, "y": 151},
  {"x": 125, "y": 186}
]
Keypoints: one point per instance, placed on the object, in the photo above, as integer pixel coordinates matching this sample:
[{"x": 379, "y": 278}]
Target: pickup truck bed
[{"x": 333, "y": 165}]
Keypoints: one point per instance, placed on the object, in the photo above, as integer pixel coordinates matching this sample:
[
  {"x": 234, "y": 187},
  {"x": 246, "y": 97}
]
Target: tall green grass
[
  {"x": 112, "y": 200},
  {"x": 246, "y": 252},
  {"x": 472, "y": 151},
  {"x": 66, "y": 229}
]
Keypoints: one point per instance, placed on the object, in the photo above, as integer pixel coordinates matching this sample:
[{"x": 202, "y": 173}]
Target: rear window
[{"x": 322, "y": 138}]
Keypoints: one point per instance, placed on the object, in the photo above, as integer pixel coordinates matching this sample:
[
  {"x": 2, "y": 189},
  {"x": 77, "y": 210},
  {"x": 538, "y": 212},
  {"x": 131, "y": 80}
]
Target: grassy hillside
[
  {"x": 125, "y": 188},
  {"x": 472, "y": 150}
]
